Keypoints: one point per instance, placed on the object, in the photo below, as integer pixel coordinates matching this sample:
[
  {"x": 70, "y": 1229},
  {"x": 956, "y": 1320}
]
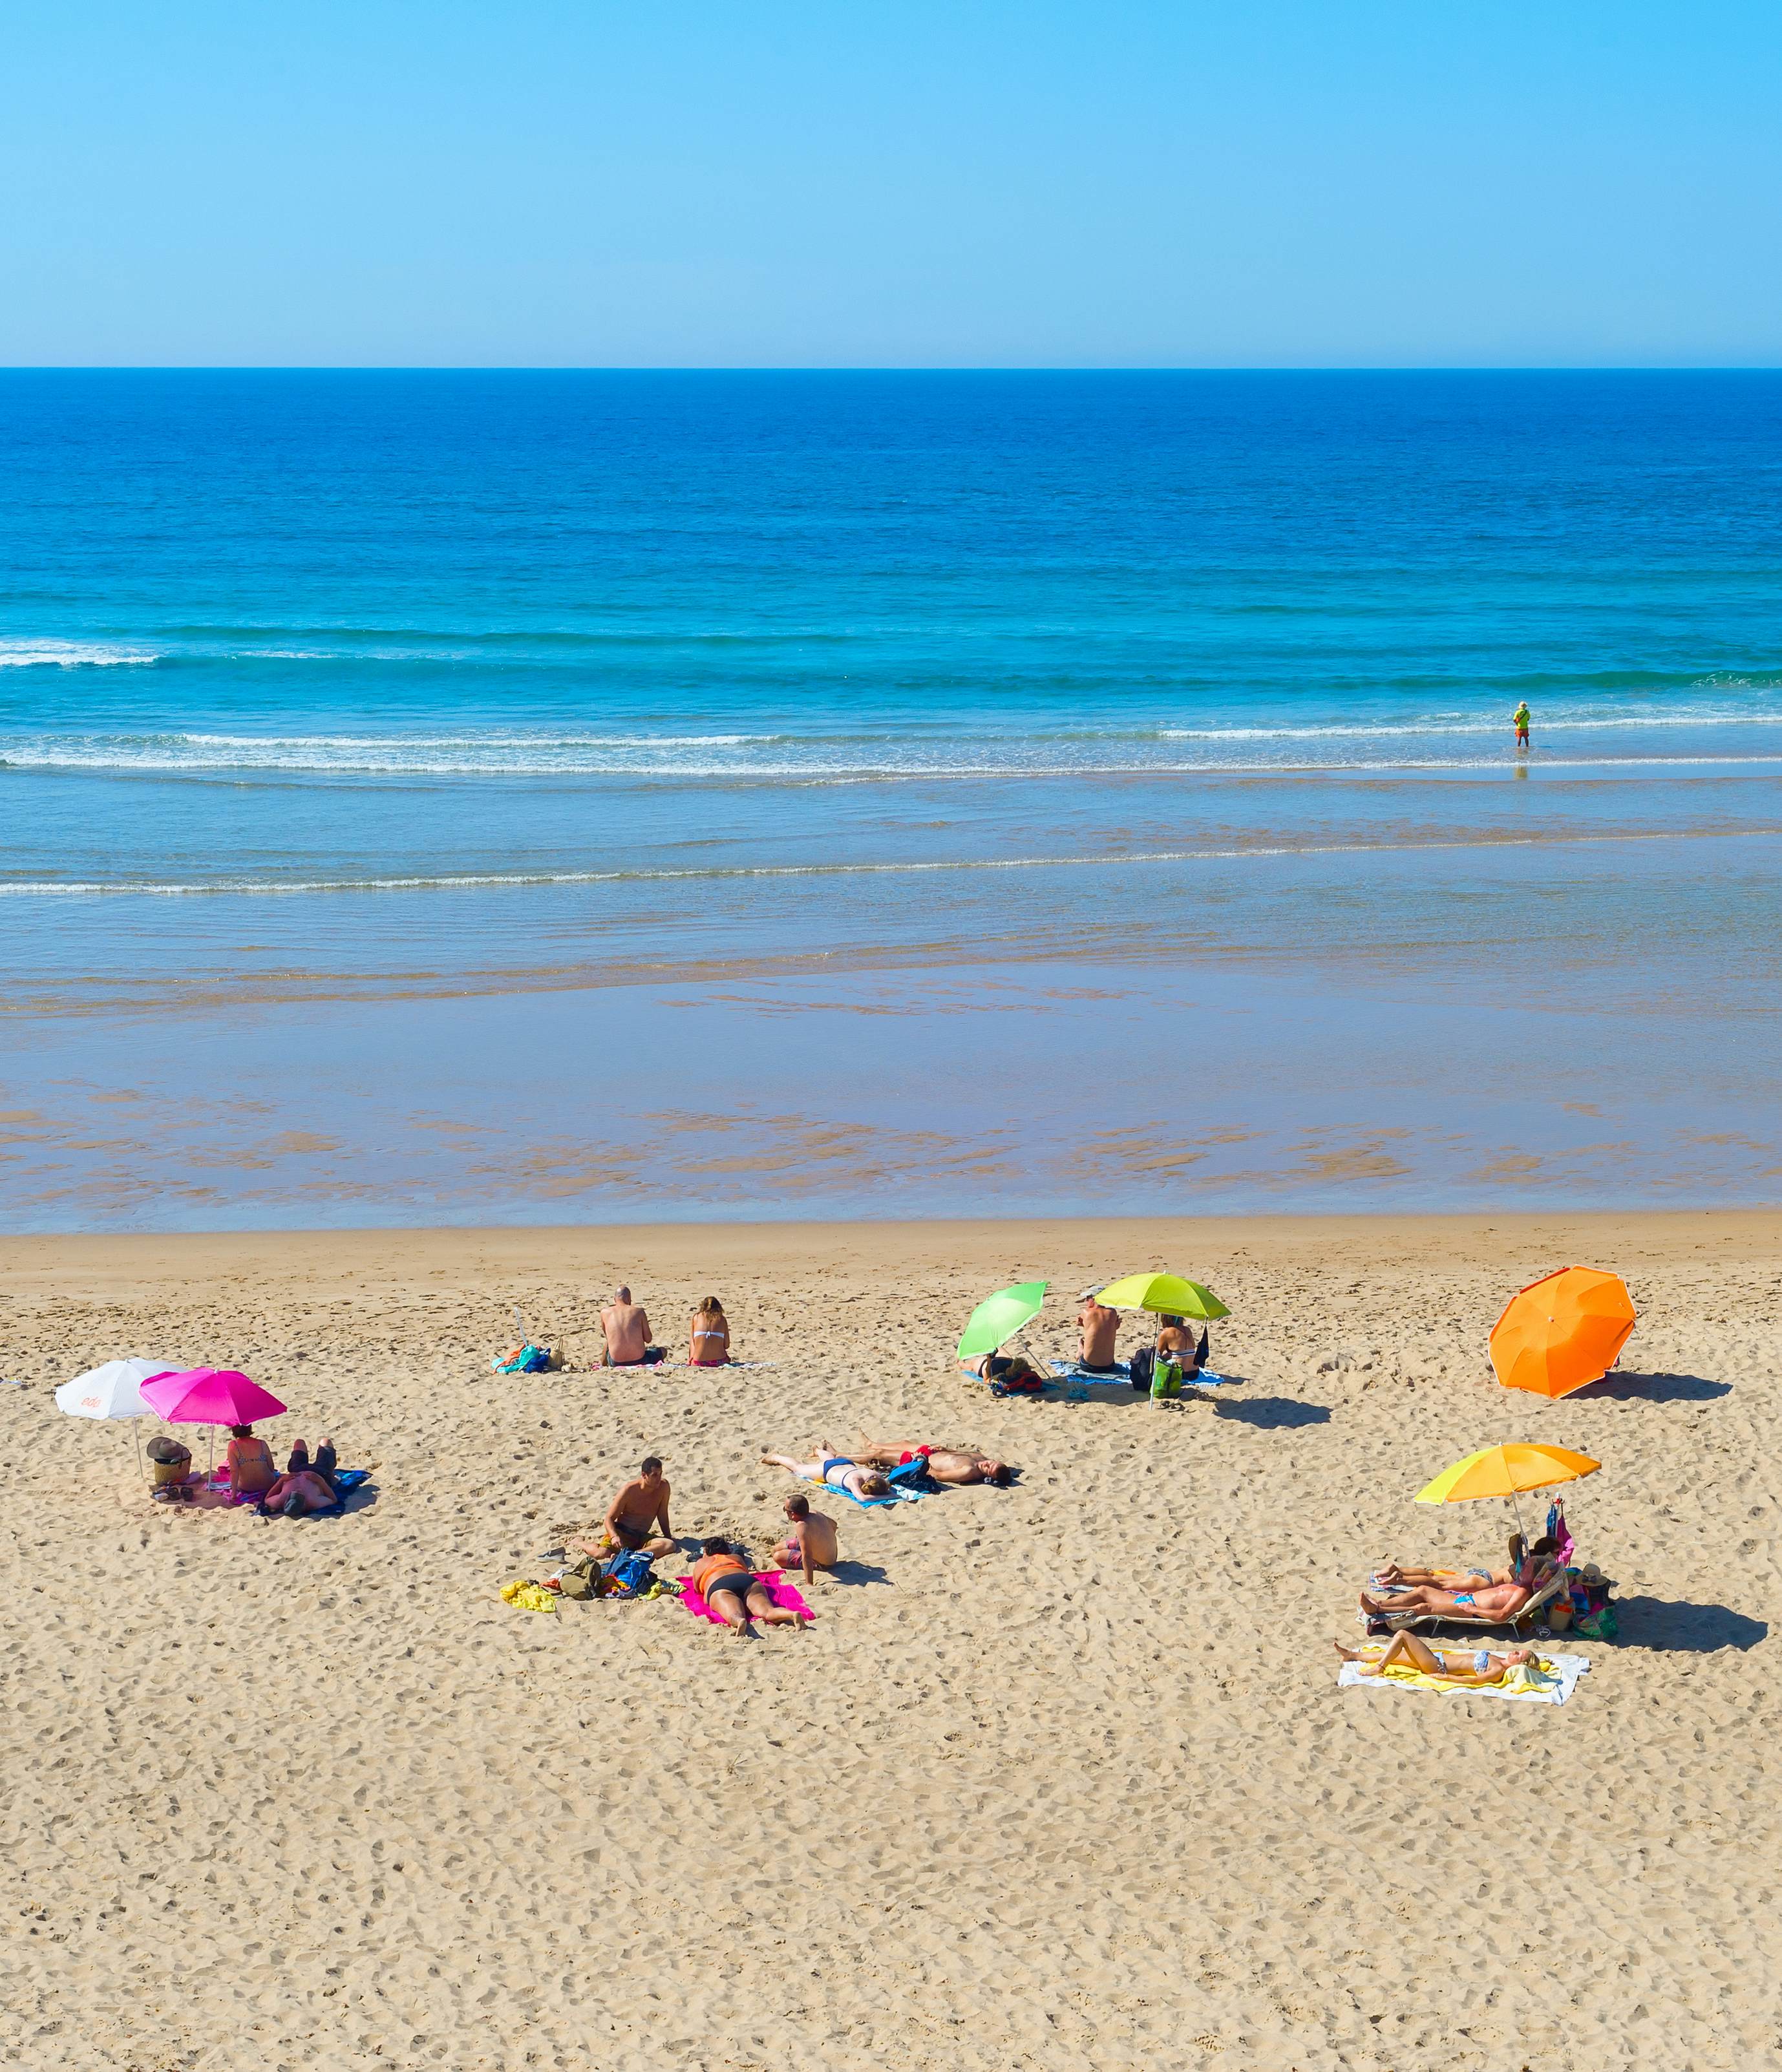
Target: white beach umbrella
[{"x": 112, "y": 1390}]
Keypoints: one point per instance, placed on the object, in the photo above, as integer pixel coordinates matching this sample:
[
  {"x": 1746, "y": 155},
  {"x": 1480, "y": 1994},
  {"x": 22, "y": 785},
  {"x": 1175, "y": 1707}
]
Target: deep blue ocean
[{"x": 1112, "y": 738}]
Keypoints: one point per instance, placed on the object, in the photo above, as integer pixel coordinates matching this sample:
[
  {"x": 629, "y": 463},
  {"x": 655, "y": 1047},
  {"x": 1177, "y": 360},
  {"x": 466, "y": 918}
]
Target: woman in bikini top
[{"x": 709, "y": 1342}]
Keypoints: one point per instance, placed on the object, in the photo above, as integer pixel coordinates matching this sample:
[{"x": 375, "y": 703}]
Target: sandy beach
[{"x": 1060, "y": 1778}]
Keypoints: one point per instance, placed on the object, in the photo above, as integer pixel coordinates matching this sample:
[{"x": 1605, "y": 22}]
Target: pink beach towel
[{"x": 780, "y": 1594}]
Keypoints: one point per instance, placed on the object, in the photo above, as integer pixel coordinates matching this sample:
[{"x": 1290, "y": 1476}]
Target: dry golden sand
[{"x": 1060, "y": 1778}]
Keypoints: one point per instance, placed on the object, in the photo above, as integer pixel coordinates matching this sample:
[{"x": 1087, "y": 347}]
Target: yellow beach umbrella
[
  {"x": 1164, "y": 1295},
  {"x": 1506, "y": 1471}
]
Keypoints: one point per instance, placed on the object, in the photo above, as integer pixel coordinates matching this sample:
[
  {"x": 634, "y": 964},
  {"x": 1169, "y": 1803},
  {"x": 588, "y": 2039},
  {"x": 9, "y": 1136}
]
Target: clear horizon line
[{"x": 866, "y": 366}]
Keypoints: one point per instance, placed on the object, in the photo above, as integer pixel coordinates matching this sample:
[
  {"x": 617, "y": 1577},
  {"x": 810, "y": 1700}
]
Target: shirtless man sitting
[
  {"x": 637, "y": 1520},
  {"x": 957, "y": 1466},
  {"x": 832, "y": 1470},
  {"x": 627, "y": 1331},
  {"x": 812, "y": 1543},
  {"x": 1100, "y": 1326}
]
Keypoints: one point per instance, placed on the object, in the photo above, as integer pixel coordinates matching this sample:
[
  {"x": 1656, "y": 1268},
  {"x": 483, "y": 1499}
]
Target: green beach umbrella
[
  {"x": 999, "y": 1319},
  {"x": 1164, "y": 1295}
]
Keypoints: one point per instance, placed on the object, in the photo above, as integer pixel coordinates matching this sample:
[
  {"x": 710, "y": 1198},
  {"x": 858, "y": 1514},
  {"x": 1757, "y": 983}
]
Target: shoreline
[{"x": 1751, "y": 1232}]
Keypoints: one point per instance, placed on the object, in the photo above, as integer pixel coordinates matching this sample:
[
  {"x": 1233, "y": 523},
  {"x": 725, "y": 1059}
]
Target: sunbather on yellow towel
[{"x": 1406, "y": 1659}]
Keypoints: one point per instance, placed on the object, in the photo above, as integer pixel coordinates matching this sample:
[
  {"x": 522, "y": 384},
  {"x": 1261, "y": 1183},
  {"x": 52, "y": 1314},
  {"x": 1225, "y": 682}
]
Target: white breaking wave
[
  {"x": 474, "y": 881},
  {"x": 15, "y": 654}
]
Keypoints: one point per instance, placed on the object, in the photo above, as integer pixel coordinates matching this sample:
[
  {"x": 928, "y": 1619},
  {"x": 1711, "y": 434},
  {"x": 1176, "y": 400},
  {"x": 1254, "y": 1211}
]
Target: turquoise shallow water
[{"x": 422, "y": 791}]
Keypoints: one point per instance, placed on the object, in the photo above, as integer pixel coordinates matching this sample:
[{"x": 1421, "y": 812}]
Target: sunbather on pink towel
[{"x": 729, "y": 1586}]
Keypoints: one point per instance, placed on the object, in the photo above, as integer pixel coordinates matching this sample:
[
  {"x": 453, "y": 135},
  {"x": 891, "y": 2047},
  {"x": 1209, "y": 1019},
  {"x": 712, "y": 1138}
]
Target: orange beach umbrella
[{"x": 1561, "y": 1331}]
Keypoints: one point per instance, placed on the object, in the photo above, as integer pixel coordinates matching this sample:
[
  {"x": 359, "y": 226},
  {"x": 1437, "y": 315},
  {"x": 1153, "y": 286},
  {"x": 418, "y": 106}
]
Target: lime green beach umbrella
[
  {"x": 1164, "y": 1295},
  {"x": 998, "y": 1319}
]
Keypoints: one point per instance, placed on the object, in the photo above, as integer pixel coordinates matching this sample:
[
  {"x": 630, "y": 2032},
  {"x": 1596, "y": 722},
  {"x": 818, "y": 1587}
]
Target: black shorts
[
  {"x": 738, "y": 1586},
  {"x": 631, "y": 1537}
]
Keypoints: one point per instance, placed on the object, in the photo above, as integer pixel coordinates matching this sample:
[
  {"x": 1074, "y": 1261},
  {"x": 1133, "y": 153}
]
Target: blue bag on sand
[{"x": 629, "y": 1574}]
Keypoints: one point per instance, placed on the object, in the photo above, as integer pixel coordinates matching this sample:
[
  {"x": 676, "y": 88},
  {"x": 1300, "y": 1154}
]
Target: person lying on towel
[
  {"x": 1013, "y": 1373},
  {"x": 957, "y": 1465},
  {"x": 833, "y": 1470},
  {"x": 1477, "y": 1667},
  {"x": 727, "y": 1584}
]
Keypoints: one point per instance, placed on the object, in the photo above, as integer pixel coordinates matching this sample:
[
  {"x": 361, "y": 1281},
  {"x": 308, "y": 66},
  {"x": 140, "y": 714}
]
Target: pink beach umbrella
[{"x": 209, "y": 1395}]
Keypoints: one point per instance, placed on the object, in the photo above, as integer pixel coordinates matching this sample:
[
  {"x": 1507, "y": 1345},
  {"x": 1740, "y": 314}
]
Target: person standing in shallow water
[{"x": 1521, "y": 715}]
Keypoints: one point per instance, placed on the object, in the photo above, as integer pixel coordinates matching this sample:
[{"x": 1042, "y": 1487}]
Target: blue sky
[{"x": 925, "y": 183}]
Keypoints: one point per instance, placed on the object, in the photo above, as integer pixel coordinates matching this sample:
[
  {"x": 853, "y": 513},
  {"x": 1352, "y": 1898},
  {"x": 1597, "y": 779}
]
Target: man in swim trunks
[
  {"x": 1100, "y": 1326},
  {"x": 811, "y": 1543},
  {"x": 728, "y": 1587},
  {"x": 1496, "y": 1601},
  {"x": 1482, "y": 1666},
  {"x": 627, "y": 1331},
  {"x": 957, "y": 1466},
  {"x": 637, "y": 1520},
  {"x": 832, "y": 1470}
]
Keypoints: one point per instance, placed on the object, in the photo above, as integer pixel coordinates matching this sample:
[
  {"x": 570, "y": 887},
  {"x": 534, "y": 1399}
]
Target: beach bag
[
  {"x": 912, "y": 1474},
  {"x": 527, "y": 1358},
  {"x": 1143, "y": 1361},
  {"x": 577, "y": 1579},
  {"x": 627, "y": 1575}
]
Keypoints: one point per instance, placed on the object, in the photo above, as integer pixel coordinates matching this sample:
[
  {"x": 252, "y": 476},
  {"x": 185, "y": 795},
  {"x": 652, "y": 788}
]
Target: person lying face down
[
  {"x": 724, "y": 1581},
  {"x": 833, "y": 1470},
  {"x": 958, "y": 1465},
  {"x": 1479, "y": 1667}
]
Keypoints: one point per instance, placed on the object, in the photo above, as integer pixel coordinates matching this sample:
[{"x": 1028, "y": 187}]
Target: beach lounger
[{"x": 1529, "y": 1620}]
